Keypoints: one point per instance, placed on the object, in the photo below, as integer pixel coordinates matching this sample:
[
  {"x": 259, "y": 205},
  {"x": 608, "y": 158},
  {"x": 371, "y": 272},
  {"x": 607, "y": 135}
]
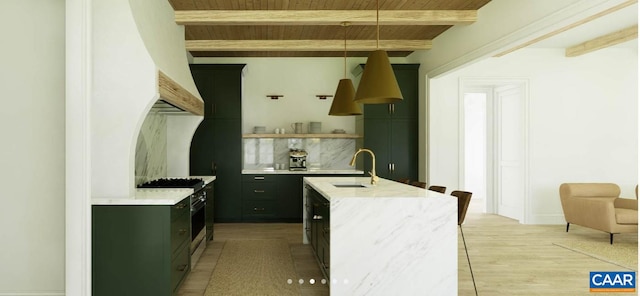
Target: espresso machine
[{"x": 297, "y": 160}]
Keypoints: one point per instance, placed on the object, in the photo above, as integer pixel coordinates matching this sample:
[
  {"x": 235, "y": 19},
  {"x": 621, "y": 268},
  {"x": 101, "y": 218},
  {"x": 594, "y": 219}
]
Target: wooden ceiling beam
[
  {"x": 305, "y": 45},
  {"x": 324, "y": 17},
  {"x": 604, "y": 41}
]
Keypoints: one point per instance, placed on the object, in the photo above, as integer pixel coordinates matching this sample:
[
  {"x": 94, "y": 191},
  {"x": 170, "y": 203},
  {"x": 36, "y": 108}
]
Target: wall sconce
[
  {"x": 274, "y": 97},
  {"x": 323, "y": 97}
]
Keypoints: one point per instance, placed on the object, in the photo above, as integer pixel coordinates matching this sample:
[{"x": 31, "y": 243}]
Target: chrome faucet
[{"x": 374, "y": 178}]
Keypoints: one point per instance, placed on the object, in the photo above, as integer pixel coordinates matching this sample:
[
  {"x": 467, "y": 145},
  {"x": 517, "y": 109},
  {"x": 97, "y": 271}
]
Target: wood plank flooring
[{"x": 507, "y": 258}]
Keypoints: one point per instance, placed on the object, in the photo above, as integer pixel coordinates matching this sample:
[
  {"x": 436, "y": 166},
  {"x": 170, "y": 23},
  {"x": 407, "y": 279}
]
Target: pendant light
[
  {"x": 343, "y": 103},
  {"x": 378, "y": 84}
]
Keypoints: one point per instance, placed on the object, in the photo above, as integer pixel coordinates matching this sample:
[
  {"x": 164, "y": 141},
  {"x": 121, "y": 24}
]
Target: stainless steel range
[{"x": 198, "y": 205}]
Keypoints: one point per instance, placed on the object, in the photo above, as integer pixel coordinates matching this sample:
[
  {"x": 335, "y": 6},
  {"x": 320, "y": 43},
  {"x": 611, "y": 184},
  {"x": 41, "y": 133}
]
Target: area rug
[
  {"x": 623, "y": 254},
  {"x": 254, "y": 267}
]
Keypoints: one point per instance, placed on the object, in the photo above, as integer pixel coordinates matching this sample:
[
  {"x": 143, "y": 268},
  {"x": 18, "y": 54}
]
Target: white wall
[
  {"x": 32, "y": 125},
  {"x": 299, "y": 80},
  {"x": 583, "y": 124}
]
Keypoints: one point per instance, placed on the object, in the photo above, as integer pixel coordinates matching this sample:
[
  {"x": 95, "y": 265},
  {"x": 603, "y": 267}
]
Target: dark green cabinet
[
  {"x": 275, "y": 197},
  {"x": 391, "y": 130},
  {"x": 219, "y": 86},
  {"x": 209, "y": 210},
  {"x": 319, "y": 230},
  {"x": 290, "y": 201},
  {"x": 272, "y": 198},
  {"x": 216, "y": 147},
  {"x": 259, "y": 198},
  {"x": 140, "y": 249}
]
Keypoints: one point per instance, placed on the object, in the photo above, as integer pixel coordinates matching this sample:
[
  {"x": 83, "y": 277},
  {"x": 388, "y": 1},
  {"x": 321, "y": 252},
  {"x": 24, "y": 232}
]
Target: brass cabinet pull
[
  {"x": 393, "y": 167},
  {"x": 389, "y": 108},
  {"x": 182, "y": 267},
  {"x": 258, "y": 191},
  {"x": 317, "y": 217},
  {"x": 393, "y": 108},
  {"x": 258, "y": 178},
  {"x": 389, "y": 166},
  {"x": 258, "y": 209},
  {"x": 182, "y": 231},
  {"x": 181, "y": 206}
]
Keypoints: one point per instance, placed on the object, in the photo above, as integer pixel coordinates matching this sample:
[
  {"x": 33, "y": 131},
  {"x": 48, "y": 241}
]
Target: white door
[{"x": 509, "y": 154}]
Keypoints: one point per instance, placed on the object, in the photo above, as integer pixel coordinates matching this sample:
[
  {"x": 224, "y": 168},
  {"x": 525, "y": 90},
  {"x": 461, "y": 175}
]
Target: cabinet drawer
[
  {"x": 180, "y": 233},
  {"x": 259, "y": 208},
  {"x": 180, "y": 208},
  {"x": 258, "y": 191},
  {"x": 180, "y": 266},
  {"x": 258, "y": 178}
]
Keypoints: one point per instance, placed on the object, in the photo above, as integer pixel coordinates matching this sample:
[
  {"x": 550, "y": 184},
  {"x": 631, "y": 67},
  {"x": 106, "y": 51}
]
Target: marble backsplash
[
  {"x": 329, "y": 154},
  {"x": 151, "y": 149}
]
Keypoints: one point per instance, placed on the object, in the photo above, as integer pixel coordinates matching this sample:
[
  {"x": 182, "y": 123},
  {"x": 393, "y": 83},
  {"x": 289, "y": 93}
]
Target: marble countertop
[
  {"x": 153, "y": 196},
  {"x": 307, "y": 172},
  {"x": 384, "y": 188}
]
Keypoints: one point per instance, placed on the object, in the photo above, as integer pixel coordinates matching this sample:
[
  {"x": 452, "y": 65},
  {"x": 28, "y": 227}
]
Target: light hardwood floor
[{"x": 507, "y": 258}]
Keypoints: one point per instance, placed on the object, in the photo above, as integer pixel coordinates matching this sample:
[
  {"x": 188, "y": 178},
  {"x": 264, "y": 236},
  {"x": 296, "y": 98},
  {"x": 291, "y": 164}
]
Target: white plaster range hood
[{"x": 139, "y": 59}]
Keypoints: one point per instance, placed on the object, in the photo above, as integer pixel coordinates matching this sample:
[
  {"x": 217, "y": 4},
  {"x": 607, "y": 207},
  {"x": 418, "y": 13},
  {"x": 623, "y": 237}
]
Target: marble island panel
[{"x": 388, "y": 239}]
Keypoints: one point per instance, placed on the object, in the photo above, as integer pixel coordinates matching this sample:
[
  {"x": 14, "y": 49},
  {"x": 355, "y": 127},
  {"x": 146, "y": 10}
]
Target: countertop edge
[{"x": 309, "y": 172}]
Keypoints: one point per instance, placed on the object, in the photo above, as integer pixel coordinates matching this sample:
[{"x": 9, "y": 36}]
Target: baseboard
[{"x": 555, "y": 219}]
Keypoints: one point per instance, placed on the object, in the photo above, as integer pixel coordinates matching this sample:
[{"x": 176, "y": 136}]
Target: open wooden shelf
[{"x": 286, "y": 136}]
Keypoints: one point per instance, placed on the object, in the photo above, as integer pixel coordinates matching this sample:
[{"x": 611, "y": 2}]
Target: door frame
[{"x": 466, "y": 83}]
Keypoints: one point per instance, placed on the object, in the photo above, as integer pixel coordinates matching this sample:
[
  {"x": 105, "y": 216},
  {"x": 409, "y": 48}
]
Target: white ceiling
[{"x": 604, "y": 25}]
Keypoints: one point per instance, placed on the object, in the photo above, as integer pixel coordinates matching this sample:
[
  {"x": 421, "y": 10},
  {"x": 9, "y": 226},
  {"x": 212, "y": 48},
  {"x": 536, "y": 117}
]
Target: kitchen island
[{"x": 387, "y": 239}]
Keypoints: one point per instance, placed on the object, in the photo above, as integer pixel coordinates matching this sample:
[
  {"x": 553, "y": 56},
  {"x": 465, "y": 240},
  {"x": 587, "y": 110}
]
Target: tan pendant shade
[
  {"x": 378, "y": 84},
  {"x": 343, "y": 103}
]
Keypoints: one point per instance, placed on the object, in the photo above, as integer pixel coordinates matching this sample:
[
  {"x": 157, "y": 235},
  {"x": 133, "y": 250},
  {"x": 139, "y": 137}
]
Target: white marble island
[{"x": 388, "y": 239}]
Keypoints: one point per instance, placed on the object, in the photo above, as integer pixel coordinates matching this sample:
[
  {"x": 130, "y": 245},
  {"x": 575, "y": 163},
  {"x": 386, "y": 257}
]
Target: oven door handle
[{"x": 197, "y": 204}]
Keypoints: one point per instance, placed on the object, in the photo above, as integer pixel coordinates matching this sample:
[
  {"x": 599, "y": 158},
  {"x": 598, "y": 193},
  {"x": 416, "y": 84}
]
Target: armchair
[{"x": 598, "y": 206}]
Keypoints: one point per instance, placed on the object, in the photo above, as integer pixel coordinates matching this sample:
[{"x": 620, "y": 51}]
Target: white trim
[
  {"x": 52, "y": 293},
  {"x": 471, "y": 82},
  {"x": 475, "y": 50},
  {"x": 78, "y": 151}
]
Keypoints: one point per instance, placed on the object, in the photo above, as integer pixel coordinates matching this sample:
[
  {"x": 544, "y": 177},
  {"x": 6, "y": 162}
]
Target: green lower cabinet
[
  {"x": 274, "y": 197},
  {"x": 140, "y": 249},
  {"x": 290, "y": 198},
  {"x": 209, "y": 211},
  {"x": 320, "y": 231}
]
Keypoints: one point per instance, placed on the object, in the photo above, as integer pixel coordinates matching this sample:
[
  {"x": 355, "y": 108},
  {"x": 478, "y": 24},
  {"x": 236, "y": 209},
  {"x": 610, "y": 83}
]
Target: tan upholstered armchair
[{"x": 598, "y": 206}]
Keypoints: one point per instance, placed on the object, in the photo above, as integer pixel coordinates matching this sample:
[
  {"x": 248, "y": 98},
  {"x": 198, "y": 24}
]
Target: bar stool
[
  {"x": 464, "y": 199},
  {"x": 419, "y": 184},
  {"x": 437, "y": 188}
]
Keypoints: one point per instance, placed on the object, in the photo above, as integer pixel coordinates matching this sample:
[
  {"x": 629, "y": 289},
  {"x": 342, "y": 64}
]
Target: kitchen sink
[{"x": 350, "y": 185}]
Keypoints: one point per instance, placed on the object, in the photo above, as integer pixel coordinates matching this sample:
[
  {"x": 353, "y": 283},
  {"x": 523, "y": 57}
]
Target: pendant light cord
[
  {"x": 377, "y": 24},
  {"x": 345, "y": 50}
]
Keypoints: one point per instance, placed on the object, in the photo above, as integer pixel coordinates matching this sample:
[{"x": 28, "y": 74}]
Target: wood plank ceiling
[{"x": 312, "y": 28}]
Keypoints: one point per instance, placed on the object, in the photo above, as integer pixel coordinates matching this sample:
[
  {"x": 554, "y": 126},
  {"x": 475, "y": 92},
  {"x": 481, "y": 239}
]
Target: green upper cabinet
[
  {"x": 216, "y": 147},
  {"x": 220, "y": 89},
  {"x": 407, "y": 77},
  {"x": 391, "y": 130}
]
